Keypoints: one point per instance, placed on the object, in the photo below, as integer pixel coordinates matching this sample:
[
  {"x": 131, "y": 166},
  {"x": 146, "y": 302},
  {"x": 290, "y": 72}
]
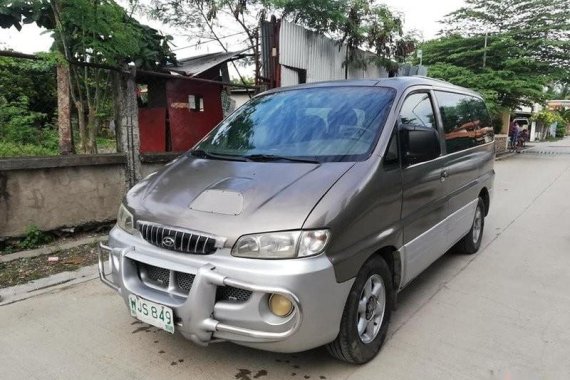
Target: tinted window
[
  {"x": 415, "y": 116},
  {"x": 466, "y": 121},
  {"x": 327, "y": 124},
  {"x": 417, "y": 110}
]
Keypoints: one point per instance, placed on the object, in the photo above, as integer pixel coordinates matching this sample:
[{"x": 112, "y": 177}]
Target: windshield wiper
[
  {"x": 273, "y": 157},
  {"x": 215, "y": 156}
]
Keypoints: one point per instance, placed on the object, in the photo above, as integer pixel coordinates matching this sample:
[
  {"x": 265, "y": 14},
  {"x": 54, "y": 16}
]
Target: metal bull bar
[{"x": 197, "y": 312}]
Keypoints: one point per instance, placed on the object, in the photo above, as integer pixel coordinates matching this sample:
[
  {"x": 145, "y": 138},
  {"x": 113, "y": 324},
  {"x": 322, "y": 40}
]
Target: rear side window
[{"x": 466, "y": 121}]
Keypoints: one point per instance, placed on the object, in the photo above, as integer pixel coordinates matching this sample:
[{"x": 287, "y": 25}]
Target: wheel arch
[
  {"x": 484, "y": 195},
  {"x": 392, "y": 257}
]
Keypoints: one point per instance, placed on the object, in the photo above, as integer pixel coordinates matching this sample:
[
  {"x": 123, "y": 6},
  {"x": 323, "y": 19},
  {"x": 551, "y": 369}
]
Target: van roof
[{"x": 398, "y": 83}]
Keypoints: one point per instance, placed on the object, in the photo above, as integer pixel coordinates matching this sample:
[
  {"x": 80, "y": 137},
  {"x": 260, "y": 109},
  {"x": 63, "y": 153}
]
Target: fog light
[{"x": 280, "y": 305}]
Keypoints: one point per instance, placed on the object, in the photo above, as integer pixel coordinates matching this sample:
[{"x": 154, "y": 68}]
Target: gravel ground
[{"x": 20, "y": 271}]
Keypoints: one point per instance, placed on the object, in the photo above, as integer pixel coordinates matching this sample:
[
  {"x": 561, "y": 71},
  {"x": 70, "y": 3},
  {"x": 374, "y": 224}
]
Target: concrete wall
[{"x": 56, "y": 192}]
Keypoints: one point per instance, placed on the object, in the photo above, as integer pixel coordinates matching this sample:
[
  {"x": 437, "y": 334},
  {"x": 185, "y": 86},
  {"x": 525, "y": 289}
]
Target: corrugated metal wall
[{"x": 321, "y": 57}]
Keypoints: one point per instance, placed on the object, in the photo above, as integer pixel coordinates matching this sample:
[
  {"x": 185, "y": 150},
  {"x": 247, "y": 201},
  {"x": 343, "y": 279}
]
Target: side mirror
[{"x": 419, "y": 144}]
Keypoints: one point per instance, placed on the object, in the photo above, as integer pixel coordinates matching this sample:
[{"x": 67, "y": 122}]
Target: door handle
[{"x": 444, "y": 175}]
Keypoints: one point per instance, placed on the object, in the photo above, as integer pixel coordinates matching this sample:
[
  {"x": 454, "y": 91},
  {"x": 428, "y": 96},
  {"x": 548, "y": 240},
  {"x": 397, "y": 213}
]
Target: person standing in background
[{"x": 513, "y": 135}]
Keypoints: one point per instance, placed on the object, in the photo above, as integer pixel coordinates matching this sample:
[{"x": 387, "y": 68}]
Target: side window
[
  {"x": 465, "y": 119},
  {"x": 418, "y": 134},
  {"x": 196, "y": 103},
  {"x": 418, "y": 111},
  {"x": 482, "y": 119}
]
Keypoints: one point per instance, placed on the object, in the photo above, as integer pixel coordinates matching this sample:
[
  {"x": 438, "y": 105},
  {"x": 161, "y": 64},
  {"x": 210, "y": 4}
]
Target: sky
[{"x": 420, "y": 15}]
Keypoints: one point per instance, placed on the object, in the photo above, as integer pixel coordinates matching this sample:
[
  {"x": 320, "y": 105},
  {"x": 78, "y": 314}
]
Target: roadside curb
[
  {"x": 51, "y": 248},
  {"x": 503, "y": 156},
  {"x": 47, "y": 284}
]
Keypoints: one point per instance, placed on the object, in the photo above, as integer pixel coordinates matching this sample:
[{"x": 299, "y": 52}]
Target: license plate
[{"x": 152, "y": 313}]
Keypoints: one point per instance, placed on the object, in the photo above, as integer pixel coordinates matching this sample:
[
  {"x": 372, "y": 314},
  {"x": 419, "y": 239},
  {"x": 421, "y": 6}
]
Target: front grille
[
  {"x": 229, "y": 293},
  {"x": 183, "y": 281},
  {"x": 154, "y": 275},
  {"x": 175, "y": 239}
]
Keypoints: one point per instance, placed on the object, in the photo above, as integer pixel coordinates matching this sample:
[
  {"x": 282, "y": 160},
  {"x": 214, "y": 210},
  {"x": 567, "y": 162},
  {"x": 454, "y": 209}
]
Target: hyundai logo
[{"x": 168, "y": 242}]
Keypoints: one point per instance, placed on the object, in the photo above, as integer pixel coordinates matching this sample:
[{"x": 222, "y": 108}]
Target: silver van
[{"x": 298, "y": 219}]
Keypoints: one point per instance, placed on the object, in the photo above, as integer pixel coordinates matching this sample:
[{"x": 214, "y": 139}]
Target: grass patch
[
  {"x": 10, "y": 149},
  {"x": 106, "y": 145},
  {"x": 34, "y": 238},
  {"x": 21, "y": 271}
]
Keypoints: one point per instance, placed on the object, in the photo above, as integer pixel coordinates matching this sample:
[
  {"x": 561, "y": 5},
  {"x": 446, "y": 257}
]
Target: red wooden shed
[{"x": 176, "y": 111}]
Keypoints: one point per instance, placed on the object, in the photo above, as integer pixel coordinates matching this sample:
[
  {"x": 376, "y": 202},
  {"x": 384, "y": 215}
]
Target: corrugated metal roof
[{"x": 193, "y": 66}]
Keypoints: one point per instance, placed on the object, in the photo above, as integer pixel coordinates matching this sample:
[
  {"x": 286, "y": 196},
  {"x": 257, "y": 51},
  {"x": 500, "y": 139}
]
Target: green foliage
[
  {"x": 548, "y": 117},
  {"x": 508, "y": 78},
  {"x": 34, "y": 80},
  {"x": 100, "y": 31},
  {"x": 528, "y": 47},
  {"x": 497, "y": 123},
  {"x": 17, "y": 12},
  {"x": 100, "y": 27},
  {"x": 10, "y": 149},
  {"x": 560, "y": 130},
  {"x": 17, "y": 122},
  {"x": 23, "y": 131},
  {"x": 540, "y": 28},
  {"x": 360, "y": 24},
  {"x": 91, "y": 31},
  {"x": 249, "y": 81},
  {"x": 564, "y": 114},
  {"x": 27, "y": 107},
  {"x": 35, "y": 237},
  {"x": 107, "y": 144}
]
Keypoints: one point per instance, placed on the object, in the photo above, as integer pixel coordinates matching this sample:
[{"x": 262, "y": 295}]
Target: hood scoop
[{"x": 224, "y": 198}]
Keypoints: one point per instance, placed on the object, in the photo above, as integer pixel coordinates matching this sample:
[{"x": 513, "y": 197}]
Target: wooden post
[{"x": 127, "y": 123}]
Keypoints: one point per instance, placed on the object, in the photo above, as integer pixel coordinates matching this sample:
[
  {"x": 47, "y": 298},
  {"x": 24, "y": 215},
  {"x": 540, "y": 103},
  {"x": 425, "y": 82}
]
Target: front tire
[
  {"x": 471, "y": 242},
  {"x": 366, "y": 314}
]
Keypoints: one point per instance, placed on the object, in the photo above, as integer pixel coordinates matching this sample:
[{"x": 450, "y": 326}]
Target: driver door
[{"x": 424, "y": 205}]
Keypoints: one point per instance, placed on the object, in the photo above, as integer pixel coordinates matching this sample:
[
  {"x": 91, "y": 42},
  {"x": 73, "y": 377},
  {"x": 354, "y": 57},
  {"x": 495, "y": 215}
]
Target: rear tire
[
  {"x": 472, "y": 241},
  {"x": 366, "y": 314}
]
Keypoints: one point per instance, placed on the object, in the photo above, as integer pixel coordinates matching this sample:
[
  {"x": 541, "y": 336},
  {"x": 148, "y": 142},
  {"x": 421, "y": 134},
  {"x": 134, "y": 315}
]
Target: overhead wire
[{"x": 208, "y": 41}]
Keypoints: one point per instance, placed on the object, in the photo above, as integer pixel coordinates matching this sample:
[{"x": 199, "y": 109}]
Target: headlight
[
  {"x": 281, "y": 245},
  {"x": 125, "y": 220}
]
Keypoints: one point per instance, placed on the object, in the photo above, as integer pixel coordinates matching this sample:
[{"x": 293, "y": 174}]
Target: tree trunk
[
  {"x": 92, "y": 122},
  {"x": 82, "y": 127},
  {"x": 127, "y": 123},
  {"x": 506, "y": 121},
  {"x": 64, "y": 110}
]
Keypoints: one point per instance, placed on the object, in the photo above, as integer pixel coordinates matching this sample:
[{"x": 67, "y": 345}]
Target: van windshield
[{"x": 317, "y": 124}]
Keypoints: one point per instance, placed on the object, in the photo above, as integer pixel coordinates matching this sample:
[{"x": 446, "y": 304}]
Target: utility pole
[{"x": 485, "y": 51}]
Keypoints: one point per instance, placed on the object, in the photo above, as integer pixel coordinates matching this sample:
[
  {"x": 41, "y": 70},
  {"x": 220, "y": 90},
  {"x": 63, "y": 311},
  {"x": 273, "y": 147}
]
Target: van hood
[{"x": 233, "y": 198}]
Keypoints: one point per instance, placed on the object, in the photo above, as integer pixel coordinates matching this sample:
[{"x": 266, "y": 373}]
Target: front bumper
[{"x": 203, "y": 318}]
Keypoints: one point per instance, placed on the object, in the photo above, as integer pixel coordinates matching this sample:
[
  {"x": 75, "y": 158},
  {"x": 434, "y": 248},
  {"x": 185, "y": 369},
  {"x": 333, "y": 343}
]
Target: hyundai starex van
[{"x": 297, "y": 220}]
